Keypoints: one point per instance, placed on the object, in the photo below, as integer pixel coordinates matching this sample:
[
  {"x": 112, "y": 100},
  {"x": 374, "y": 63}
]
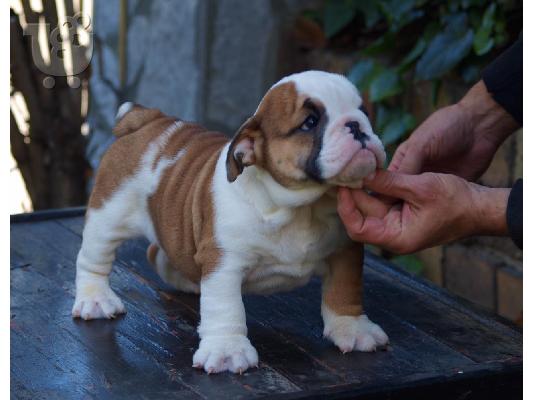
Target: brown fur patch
[
  {"x": 123, "y": 157},
  {"x": 134, "y": 119},
  {"x": 182, "y": 206},
  {"x": 343, "y": 283},
  {"x": 278, "y": 146}
]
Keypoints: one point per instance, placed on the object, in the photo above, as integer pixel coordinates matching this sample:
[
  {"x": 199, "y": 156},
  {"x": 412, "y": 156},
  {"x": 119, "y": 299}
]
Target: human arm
[{"x": 462, "y": 138}]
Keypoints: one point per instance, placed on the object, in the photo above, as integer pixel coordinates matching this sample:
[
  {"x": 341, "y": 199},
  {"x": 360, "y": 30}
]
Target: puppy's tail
[
  {"x": 159, "y": 261},
  {"x": 152, "y": 253},
  {"x": 130, "y": 117}
]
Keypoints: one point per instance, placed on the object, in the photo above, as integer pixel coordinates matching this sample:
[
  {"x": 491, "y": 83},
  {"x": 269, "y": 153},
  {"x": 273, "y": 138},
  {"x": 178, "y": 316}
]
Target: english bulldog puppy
[{"x": 255, "y": 214}]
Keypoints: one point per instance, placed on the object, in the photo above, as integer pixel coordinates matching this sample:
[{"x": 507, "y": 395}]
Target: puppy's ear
[{"x": 244, "y": 149}]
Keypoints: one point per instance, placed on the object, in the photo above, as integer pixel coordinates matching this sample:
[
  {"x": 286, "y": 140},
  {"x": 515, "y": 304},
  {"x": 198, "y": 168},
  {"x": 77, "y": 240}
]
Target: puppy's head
[{"x": 309, "y": 129}]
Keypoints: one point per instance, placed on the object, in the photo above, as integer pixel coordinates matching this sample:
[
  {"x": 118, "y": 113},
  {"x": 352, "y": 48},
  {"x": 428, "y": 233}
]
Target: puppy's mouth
[{"x": 362, "y": 164}]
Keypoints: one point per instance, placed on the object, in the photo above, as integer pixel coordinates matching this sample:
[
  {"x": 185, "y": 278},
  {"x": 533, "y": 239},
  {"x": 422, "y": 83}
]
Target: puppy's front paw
[
  {"x": 354, "y": 333},
  {"x": 225, "y": 353},
  {"x": 97, "y": 301}
]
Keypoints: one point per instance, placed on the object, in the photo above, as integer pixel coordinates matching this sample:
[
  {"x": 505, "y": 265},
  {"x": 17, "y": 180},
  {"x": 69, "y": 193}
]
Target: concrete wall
[{"x": 208, "y": 61}]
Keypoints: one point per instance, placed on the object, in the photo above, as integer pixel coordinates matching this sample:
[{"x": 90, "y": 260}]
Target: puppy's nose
[{"x": 357, "y": 133}]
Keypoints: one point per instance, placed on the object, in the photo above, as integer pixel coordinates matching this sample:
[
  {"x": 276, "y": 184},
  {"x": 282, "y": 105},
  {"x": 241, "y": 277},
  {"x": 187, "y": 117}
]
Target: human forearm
[
  {"x": 485, "y": 117},
  {"x": 460, "y": 139},
  {"x": 489, "y": 210}
]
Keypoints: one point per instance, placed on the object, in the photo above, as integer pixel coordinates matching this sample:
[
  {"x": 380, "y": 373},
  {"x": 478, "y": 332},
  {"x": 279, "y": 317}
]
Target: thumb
[
  {"x": 392, "y": 184},
  {"x": 407, "y": 159}
]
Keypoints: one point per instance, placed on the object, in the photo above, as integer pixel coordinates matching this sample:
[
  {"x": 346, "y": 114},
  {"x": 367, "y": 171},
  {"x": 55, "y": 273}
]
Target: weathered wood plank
[
  {"x": 93, "y": 356},
  {"x": 274, "y": 349},
  {"x": 168, "y": 339},
  {"x": 478, "y": 338},
  {"x": 296, "y": 315},
  {"x": 295, "y": 318},
  {"x": 75, "y": 225},
  {"x": 148, "y": 352}
]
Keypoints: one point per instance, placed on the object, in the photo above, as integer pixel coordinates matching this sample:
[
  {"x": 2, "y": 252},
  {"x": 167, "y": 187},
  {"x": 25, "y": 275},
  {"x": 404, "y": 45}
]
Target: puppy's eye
[{"x": 310, "y": 123}]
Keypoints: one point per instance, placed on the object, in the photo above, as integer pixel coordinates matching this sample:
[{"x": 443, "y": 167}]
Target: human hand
[
  {"x": 460, "y": 139},
  {"x": 433, "y": 209}
]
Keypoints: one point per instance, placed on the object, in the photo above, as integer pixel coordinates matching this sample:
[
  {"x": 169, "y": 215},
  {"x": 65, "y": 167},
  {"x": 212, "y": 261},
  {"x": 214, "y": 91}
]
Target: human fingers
[
  {"x": 382, "y": 232},
  {"x": 408, "y": 158},
  {"x": 369, "y": 205},
  {"x": 392, "y": 184},
  {"x": 358, "y": 227},
  {"x": 346, "y": 208}
]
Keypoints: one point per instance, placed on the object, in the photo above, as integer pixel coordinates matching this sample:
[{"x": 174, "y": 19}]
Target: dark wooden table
[{"x": 441, "y": 348}]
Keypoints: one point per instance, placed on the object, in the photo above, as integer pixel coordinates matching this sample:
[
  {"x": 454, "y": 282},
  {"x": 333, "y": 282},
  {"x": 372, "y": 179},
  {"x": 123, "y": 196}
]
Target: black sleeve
[
  {"x": 514, "y": 213},
  {"x": 504, "y": 80}
]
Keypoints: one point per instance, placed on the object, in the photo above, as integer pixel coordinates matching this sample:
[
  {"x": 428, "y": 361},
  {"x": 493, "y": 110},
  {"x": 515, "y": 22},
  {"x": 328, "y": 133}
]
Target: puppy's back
[{"x": 136, "y": 128}]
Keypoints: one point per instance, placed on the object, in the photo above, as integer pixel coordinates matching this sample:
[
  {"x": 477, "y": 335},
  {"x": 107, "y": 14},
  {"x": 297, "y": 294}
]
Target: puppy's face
[{"x": 309, "y": 129}]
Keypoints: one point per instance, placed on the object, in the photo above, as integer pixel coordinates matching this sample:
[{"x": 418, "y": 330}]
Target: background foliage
[{"x": 403, "y": 42}]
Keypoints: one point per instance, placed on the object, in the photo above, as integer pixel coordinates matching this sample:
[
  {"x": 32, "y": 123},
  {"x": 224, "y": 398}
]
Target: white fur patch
[
  {"x": 271, "y": 231},
  {"x": 352, "y": 333},
  {"x": 95, "y": 299},
  {"x": 224, "y": 345},
  {"x": 225, "y": 353}
]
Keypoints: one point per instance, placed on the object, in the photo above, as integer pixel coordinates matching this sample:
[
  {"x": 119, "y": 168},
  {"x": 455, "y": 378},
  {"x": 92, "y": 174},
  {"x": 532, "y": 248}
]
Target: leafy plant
[
  {"x": 403, "y": 42},
  {"x": 410, "y": 263}
]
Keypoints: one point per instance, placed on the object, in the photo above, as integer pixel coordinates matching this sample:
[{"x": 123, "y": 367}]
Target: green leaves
[
  {"x": 414, "y": 53},
  {"x": 381, "y": 45},
  {"x": 446, "y": 50},
  {"x": 370, "y": 10},
  {"x": 411, "y": 40},
  {"x": 400, "y": 13},
  {"x": 483, "y": 41},
  {"x": 398, "y": 127},
  {"x": 385, "y": 84},
  {"x": 361, "y": 73},
  {"x": 393, "y": 124},
  {"x": 381, "y": 82},
  {"x": 409, "y": 263},
  {"x": 337, "y": 14}
]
